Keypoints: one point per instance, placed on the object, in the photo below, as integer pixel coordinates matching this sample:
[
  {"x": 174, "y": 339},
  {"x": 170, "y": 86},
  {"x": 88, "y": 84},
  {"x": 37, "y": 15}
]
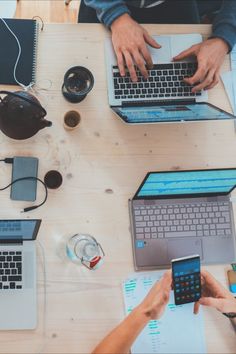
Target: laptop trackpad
[
  {"x": 163, "y": 54},
  {"x": 184, "y": 247},
  {"x": 28, "y": 270}
]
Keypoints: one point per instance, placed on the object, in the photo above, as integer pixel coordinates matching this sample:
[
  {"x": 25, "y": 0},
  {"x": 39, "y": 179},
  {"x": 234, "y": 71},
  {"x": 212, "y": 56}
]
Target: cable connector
[
  {"x": 8, "y": 160},
  {"x": 29, "y": 208}
]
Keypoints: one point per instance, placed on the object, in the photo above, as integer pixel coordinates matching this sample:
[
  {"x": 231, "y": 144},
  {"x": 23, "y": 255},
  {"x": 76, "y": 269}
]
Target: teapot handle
[{"x": 24, "y": 98}]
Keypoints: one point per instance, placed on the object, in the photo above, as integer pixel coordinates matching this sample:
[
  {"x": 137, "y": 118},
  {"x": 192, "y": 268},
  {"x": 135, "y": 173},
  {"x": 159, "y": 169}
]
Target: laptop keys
[
  {"x": 14, "y": 278},
  {"x": 11, "y": 270},
  {"x": 161, "y": 76},
  {"x": 17, "y": 258},
  {"x": 196, "y": 220}
]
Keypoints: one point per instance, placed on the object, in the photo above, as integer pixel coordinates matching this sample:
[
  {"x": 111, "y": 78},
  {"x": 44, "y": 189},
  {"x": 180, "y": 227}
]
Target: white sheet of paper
[
  {"x": 233, "y": 76},
  {"x": 233, "y": 58},
  {"x": 7, "y": 8},
  {"x": 227, "y": 79},
  {"x": 234, "y": 88},
  {"x": 178, "y": 331}
]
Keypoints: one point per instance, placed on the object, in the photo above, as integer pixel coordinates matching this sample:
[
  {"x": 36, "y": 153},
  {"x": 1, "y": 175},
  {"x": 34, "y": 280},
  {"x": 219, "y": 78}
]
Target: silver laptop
[
  {"x": 18, "y": 303},
  {"x": 175, "y": 214},
  {"x": 164, "y": 96}
]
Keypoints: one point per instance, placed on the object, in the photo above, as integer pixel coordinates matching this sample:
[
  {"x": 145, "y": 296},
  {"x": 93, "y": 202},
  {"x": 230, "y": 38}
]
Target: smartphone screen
[{"x": 186, "y": 279}]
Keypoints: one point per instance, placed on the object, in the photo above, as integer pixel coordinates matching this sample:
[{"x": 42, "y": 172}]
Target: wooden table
[{"x": 102, "y": 163}]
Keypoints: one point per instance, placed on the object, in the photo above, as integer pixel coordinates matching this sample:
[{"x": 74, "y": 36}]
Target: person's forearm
[
  {"x": 108, "y": 10},
  {"x": 224, "y": 25},
  {"x": 122, "y": 337}
]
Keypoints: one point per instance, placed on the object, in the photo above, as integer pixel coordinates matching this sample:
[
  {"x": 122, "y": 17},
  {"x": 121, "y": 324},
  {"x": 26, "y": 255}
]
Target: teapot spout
[{"x": 45, "y": 123}]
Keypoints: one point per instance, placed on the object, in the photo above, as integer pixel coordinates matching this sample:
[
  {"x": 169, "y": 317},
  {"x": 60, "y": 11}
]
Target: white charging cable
[
  {"x": 25, "y": 87},
  {"x": 45, "y": 342}
]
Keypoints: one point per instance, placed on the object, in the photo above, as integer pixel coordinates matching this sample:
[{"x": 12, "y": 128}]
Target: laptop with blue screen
[
  {"x": 175, "y": 214},
  {"x": 164, "y": 97},
  {"x": 182, "y": 111},
  {"x": 18, "y": 302}
]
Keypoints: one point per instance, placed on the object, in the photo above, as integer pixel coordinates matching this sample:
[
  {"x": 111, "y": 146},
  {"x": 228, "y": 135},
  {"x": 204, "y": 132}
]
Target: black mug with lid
[{"x": 78, "y": 82}]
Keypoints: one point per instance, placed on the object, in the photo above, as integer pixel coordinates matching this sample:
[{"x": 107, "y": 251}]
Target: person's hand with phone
[
  {"x": 130, "y": 41},
  {"x": 215, "y": 295}
]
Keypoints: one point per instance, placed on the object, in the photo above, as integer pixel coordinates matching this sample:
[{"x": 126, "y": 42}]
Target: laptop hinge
[
  {"x": 158, "y": 103},
  {"x": 10, "y": 242}
]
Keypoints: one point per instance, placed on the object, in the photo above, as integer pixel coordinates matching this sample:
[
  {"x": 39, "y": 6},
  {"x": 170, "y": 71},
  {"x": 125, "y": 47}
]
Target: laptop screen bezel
[
  {"x": 174, "y": 102},
  {"x": 35, "y": 233},
  {"x": 178, "y": 196}
]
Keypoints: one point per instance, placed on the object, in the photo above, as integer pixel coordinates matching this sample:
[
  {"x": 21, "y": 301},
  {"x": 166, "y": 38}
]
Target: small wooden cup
[{"x": 71, "y": 120}]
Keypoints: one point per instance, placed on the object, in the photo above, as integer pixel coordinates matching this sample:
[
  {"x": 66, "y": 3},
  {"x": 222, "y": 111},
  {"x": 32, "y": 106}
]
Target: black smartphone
[
  {"x": 24, "y": 167},
  {"x": 186, "y": 275}
]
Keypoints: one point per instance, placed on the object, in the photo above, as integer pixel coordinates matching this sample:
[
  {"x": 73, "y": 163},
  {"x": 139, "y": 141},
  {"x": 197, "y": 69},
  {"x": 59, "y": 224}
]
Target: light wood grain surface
[
  {"x": 48, "y": 10},
  {"x": 102, "y": 163}
]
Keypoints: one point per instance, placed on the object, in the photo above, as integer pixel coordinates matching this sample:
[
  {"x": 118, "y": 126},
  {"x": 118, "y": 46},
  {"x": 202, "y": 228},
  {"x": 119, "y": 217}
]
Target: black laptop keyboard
[
  {"x": 165, "y": 81},
  {"x": 10, "y": 270}
]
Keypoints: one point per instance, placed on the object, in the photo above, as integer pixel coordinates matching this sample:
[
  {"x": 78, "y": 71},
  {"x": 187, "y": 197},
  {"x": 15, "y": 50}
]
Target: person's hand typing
[
  {"x": 130, "y": 44},
  {"x": 210, "y": 55},
  {"x": 156, "y": 300},
  {"x": 215, "y": 295}
]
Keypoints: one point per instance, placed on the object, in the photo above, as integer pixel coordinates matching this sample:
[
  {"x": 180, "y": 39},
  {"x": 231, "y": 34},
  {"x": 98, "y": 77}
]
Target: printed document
[{"x": 177, "y": 331}]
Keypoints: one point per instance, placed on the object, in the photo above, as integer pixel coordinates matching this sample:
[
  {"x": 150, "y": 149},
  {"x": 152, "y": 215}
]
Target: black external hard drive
[{"x": 26, "y": 189}]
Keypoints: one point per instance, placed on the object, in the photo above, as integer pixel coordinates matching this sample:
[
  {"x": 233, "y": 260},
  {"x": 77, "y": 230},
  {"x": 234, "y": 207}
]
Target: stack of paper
[
  {"x": 233, "y": 59},
  {"x": 178, "y": 331},
  {"x": 229, "y": 80}
]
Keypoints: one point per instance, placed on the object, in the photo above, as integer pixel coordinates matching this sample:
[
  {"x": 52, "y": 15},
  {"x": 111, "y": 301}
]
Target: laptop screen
[
  {"x": 182, "y": 183},
  {"x": 171, "y": 113},
  {"x": 19, "y": 229}
]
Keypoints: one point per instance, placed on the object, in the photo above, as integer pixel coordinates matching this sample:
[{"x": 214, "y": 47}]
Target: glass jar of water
[{"x": 84, "y": 249}]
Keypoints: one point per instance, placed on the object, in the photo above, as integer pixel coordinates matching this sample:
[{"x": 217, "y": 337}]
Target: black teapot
[{"x": 21, "y": 115}]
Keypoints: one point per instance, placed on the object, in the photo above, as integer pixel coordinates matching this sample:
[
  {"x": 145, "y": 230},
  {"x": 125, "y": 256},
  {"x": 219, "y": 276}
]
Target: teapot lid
[{"x": 26, "y": 96}]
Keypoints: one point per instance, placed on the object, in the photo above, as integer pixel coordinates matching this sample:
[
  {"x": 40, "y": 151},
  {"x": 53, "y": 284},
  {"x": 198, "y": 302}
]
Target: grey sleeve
[
  {"x": 224, "y": 25},
  {"x": 108, "y": 10}
]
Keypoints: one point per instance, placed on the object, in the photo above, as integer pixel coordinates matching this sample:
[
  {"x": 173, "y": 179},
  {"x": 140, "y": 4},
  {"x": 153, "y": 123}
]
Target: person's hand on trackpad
[{"x": 130, "y": 42}]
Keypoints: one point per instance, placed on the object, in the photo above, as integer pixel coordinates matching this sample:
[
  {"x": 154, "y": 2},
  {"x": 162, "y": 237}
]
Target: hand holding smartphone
[{"x": 186, "y": 279}]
